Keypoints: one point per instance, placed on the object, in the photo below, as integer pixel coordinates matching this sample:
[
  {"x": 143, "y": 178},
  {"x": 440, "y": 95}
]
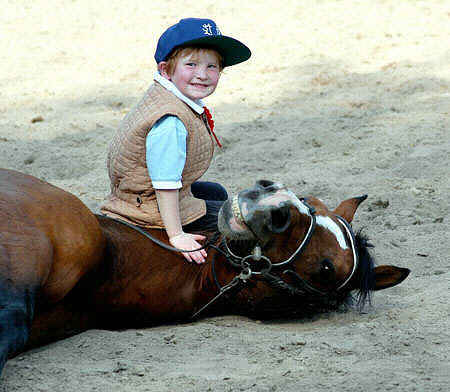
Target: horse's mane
[{"x": 366, "y": 266}]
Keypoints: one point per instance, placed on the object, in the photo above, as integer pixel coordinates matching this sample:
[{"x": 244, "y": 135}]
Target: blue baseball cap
[{"x": 204, "y": 33}]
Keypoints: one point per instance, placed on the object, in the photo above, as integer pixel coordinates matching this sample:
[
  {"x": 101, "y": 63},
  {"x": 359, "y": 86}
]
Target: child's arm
[
  {"x": 167, "y": 144},
  {"x": 170, "y": 214}
]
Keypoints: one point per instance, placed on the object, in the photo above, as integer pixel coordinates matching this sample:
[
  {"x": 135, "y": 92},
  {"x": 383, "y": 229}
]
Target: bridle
[
  {"x": 303, "y": 206},
  {"x": 244, "y": 264},
  {"x": 302, "y": 287}
]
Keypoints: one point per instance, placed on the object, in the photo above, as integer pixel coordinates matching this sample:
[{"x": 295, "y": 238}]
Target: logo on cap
[{"x": 207, "y": 29}]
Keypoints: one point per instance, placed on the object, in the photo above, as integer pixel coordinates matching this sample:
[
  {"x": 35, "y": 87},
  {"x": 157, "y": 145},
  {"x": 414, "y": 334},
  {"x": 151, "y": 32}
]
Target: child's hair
[{"x": 186, "y": 51}]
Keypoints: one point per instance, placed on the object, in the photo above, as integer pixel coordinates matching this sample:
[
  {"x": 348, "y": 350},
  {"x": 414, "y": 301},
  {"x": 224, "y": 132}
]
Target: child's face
[{"x": 196, "y": 75}]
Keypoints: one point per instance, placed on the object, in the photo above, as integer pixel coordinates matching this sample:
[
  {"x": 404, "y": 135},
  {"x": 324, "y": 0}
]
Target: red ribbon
[{"x": 211, "y": 124}]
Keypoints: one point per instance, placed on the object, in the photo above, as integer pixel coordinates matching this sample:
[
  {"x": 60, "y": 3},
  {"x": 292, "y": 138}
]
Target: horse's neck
[{"x": 155, "y": 280}]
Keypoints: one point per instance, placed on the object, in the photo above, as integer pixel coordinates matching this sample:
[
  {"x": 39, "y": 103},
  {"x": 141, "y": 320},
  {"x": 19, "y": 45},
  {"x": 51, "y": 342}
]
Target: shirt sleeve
[{"x": 166, "y": 152}]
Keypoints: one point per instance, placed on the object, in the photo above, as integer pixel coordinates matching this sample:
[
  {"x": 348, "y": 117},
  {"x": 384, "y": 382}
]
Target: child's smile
[{"x": 197, "y": 75}]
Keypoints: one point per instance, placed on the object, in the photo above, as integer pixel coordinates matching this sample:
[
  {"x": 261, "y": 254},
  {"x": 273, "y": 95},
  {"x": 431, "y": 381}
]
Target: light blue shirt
[
  {"x": 166, "y": 143},
  {"x": 166, "y": 152}
]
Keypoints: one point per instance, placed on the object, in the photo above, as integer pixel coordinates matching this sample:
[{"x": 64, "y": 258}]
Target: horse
[{"x": 64, "y": 270}]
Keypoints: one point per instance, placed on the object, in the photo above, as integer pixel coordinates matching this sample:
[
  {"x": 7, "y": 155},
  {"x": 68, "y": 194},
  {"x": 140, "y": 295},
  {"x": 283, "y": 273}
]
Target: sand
[{"x": 340, "y": 98}]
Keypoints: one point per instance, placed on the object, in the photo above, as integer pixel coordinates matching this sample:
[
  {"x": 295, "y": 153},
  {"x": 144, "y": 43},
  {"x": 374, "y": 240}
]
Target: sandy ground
[{"x": 339, "y": 99}]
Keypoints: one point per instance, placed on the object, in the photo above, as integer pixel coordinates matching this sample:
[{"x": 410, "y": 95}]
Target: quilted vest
[{"x": 132, "y": 196}]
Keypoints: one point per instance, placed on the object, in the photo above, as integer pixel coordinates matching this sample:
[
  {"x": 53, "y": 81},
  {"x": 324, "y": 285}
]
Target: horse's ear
[
  {"x": 388, "y": 276},
  {"x": 348, "y": 207}
]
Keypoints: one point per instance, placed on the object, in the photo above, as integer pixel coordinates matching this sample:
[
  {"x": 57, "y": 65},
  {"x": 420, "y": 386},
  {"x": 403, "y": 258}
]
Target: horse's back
[{"x": 48, "y": 236}]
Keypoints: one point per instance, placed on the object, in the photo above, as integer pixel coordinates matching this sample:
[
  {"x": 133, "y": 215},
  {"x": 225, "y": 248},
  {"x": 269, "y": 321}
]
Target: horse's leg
[
  {"x": 25, "y": 261},
  {"x": 16, "y": 314}
]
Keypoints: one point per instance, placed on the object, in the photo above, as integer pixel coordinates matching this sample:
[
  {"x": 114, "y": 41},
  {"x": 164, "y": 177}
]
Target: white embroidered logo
[
  {"x": 207, "y": 29},
  {"x": 218, "y": 31}
]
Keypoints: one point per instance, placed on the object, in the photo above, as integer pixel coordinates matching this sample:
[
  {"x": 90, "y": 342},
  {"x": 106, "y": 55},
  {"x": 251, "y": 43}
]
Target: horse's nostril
[
  {"x": 265, "y": 183},
  {"x": 253, "y": 195},
  {"x": 280, "y": 219}
]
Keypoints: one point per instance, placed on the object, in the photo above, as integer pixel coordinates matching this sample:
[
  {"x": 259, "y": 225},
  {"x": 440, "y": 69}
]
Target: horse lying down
[{"x": 64, "y": 270}]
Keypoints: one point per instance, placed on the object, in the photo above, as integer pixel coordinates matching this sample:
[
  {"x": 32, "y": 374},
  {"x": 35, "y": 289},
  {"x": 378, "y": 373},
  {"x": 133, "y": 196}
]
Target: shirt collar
[{"x": 168, "y": 85}]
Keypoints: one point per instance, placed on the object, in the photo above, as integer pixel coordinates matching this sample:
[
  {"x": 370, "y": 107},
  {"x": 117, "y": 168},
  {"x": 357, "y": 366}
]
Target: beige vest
[{"x": 132, "y": 196}]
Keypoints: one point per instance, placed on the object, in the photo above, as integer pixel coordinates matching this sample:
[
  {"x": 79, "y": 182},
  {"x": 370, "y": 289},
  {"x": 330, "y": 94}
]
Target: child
[{"x": 165, "y": 144}]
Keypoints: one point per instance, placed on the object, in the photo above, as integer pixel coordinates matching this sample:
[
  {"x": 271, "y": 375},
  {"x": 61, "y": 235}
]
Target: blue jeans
[{"x": 214, "y": 195}]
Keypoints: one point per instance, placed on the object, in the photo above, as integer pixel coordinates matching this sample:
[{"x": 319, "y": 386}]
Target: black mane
[{"x": 365, "y": 275}]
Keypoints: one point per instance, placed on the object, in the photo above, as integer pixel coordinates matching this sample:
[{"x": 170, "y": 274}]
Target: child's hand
[{"x": 188, "y": 241}]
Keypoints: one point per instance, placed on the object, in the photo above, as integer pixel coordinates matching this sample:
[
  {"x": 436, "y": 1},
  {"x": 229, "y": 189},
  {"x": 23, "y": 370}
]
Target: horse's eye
[{"x": 327, "y": 271}]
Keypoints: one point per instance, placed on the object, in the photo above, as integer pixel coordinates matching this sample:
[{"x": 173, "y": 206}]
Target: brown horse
[{"x": 64, "y": 270}]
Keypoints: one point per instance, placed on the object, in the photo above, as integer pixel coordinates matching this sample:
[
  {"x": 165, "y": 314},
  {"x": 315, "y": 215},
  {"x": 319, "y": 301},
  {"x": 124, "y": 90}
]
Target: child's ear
[{"x": 162, "y": 68}]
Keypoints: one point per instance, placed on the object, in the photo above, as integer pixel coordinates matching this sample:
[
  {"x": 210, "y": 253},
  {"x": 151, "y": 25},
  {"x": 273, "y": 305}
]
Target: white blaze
[{"x": 329, "y": 224}]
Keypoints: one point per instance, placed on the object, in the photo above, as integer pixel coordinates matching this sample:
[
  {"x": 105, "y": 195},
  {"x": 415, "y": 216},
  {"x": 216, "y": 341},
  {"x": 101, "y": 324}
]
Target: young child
[{"x": 166, "y": 142}]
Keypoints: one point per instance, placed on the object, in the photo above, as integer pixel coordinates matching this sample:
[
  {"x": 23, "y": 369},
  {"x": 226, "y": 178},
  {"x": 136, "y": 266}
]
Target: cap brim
[{"x": 232, "y": 50}]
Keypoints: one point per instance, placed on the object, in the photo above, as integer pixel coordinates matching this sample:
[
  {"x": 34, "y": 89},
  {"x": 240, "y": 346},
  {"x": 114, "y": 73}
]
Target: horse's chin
[{"x": 230, "y": 227}]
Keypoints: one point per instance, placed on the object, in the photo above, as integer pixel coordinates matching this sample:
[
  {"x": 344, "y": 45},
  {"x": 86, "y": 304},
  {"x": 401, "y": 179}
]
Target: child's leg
[
  {"x": 209, "y": 191},
  {"x": 214, "y": 194},
  {"x": 207, "y": 222}
]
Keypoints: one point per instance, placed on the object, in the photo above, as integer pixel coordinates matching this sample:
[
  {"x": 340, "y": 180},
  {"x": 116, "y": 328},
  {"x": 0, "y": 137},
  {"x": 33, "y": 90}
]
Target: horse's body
[{"x": 64, "y": 270}]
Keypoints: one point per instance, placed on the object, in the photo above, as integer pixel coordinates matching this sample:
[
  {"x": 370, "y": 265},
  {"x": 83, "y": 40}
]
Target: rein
[{"x": 156, "y": 240}]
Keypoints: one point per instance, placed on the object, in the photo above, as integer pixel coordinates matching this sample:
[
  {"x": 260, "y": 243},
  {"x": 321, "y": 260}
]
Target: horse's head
[{"x": 307, "y": 248}]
